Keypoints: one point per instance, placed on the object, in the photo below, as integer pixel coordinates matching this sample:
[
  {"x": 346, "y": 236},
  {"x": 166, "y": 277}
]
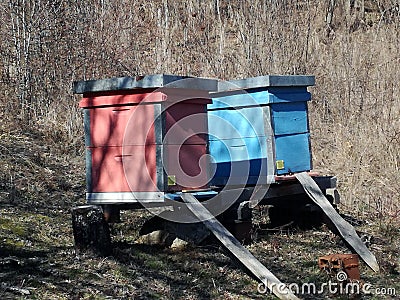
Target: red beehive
[{"x": 144, "y": 137}]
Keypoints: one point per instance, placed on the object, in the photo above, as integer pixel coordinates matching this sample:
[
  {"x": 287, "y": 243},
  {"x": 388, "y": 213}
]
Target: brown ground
[{"x": 38, "y": 261}]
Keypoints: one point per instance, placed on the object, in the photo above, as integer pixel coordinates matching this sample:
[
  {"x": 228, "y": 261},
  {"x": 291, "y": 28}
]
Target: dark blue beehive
[{"x": 258, "y": 128}]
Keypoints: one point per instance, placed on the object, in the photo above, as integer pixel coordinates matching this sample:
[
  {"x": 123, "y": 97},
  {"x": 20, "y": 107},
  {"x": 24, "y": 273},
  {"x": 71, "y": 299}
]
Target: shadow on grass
[
  {"x": 207, "y": 272},
  {"x": 21, "y": 268}
]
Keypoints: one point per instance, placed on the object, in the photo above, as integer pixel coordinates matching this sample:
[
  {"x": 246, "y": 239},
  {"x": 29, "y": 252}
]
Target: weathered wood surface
[
  {"x": 346, "y": 230},
  {"x": 238, "y": 250},
  {"x": 91, "y": 231}
]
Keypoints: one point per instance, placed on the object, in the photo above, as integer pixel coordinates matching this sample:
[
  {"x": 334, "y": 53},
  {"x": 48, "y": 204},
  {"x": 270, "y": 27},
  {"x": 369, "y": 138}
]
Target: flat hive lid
[
  {"x": 147, "y": 81},
  {"x": 267, "y": 81}
]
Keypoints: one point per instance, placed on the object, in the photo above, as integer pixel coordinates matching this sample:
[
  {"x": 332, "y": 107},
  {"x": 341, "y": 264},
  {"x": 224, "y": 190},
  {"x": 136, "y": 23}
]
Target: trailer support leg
[
  {"x": 91, "y": 231},
  {"x": 238, "y": 220}
]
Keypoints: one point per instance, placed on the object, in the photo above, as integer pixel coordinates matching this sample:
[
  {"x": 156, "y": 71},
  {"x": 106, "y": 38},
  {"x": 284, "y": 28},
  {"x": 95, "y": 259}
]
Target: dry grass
[{"x": 355, "y": 119}]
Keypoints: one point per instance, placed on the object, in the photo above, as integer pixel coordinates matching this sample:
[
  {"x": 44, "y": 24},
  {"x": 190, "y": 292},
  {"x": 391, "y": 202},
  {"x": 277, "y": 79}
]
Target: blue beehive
[{"x": 258, "y": 128}]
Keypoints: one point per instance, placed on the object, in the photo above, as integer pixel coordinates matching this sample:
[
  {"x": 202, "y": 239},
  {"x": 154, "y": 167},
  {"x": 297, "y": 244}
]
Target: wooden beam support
[{"x": 344, "y": 228}]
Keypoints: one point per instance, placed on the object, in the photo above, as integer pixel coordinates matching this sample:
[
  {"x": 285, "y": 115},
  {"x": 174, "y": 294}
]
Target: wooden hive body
[
  {"x": 145, "y": 138},
  {"x": 258, "y": 128}
]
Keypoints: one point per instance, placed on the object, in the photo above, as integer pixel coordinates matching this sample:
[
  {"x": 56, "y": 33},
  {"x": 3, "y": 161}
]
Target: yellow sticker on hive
[
  {"x": 280, "y": 164},
  {"x": 171, "y": 180}
]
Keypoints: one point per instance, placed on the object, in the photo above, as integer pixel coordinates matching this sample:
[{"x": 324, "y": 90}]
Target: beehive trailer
[
  {"x": 261, "y": 152},
  {"x": 134, "y": 126}
]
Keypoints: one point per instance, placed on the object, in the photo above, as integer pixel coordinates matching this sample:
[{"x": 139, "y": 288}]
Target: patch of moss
[
  {"x": 154, "y": 295},
  {"x": 309, "y": 264},
  {"x": 11, "y": 227},
  {"x": 154, "y": 264},
  {"x": 122, "y": 272},
  {"x": 13, "y": 244}
]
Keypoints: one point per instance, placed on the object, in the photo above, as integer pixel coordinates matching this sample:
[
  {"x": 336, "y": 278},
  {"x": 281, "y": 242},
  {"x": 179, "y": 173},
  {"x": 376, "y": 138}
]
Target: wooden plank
[
  {"x": 237, "y": 249},
  {"x": 344, "y": 228}
]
